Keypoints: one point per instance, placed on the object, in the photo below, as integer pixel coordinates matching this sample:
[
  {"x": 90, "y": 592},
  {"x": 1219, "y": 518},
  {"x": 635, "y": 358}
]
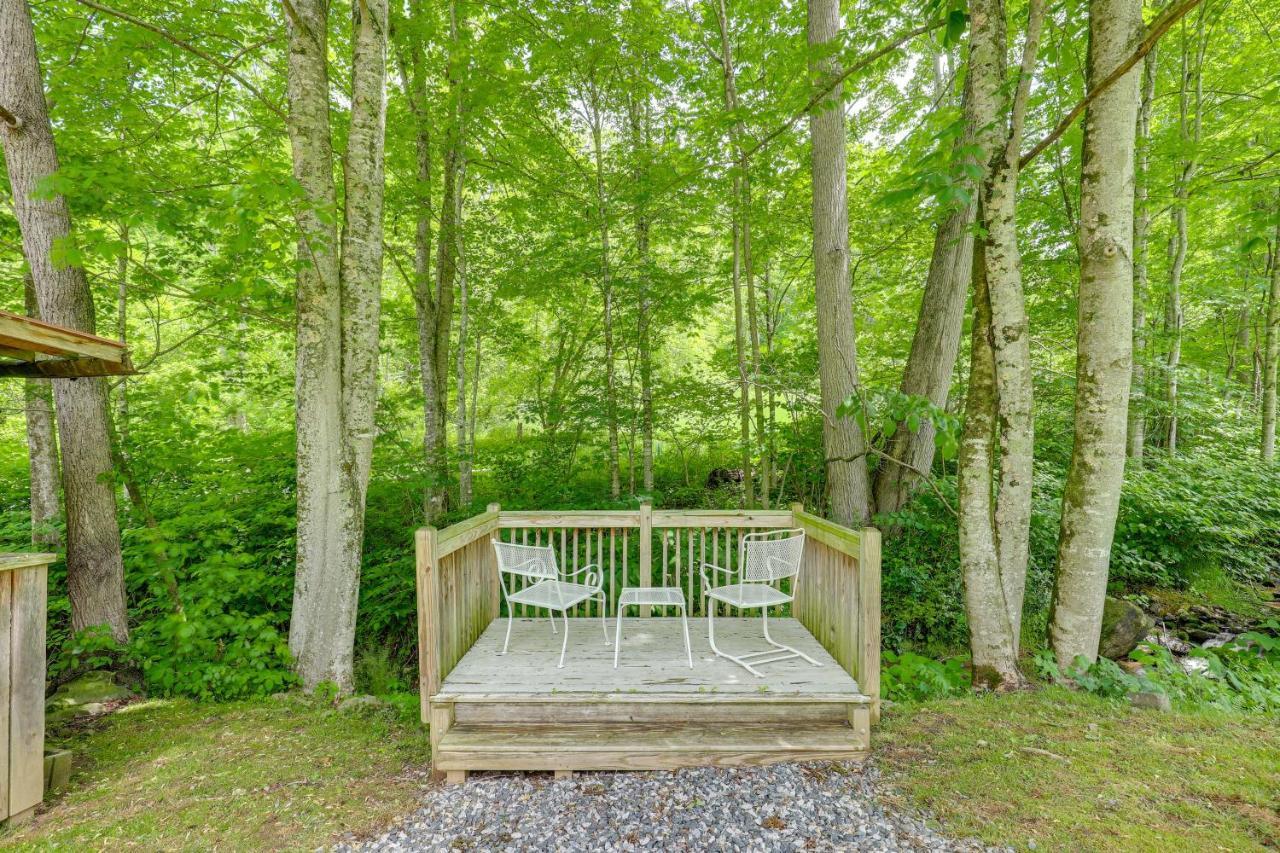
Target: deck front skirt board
[{"x": 520, "y": 712}]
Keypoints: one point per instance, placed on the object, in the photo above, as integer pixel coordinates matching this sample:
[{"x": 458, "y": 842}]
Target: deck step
[
  {"x": 648, "y": 709},
  {"x": 618, "y": 746}
]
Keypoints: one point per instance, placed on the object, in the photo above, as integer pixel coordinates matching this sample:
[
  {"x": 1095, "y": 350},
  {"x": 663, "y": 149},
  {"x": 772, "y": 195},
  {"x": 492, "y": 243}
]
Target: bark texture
[
  {"x": 1271, "y": 353},
  {"x": 845, "y": 448},
  {"x": 42, "y": 447},
  {"x": 1104, "y": 336},
  {"x": 1137, "y": 431},
  {"x": 995, "y": 531},
  {"x": 338, "y": 296},
  {"x": 95, "y": 571}
]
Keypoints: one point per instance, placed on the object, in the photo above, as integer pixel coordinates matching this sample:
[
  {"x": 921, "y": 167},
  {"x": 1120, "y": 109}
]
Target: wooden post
[
  {"x": 495, "y": 594},
  {"x": 23, "y": 599},
  {"x": 428, "y": 614},
  {"x": 867, "y": 650},
  {"x": 646, "y": 549}
]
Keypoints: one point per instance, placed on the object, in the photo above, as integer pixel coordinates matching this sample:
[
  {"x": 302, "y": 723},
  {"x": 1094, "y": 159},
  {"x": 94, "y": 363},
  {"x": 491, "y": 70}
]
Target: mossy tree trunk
[{"x": 1104, "y": 337}]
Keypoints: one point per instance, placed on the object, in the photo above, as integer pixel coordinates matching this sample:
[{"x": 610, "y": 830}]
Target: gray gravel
[{"x": 782, "y": 807}]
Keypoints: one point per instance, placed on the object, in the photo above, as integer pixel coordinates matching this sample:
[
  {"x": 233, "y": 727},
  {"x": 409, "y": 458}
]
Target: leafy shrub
[
  {"x": 907, "y": 676},
  {"x": 1181, "y": 514}
]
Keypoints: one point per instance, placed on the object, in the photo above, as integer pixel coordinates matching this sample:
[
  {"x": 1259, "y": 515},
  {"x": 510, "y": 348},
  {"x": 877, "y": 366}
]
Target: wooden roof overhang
[{"x": 34, "y": 349}]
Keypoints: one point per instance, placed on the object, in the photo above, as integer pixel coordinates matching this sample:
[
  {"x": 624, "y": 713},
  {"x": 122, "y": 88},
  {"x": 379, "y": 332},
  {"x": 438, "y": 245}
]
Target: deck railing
[{"x": 837, "y": 595}]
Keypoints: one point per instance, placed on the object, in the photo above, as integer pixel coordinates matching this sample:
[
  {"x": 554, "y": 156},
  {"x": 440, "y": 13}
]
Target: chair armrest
[
  {"x": 707, "y": 583},
  {"x": 592, "y": 572}
]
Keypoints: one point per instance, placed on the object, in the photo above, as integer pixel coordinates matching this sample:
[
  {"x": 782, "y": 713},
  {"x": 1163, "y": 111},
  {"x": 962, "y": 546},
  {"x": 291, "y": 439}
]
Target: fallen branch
[{"x": 1158, "y": 28}]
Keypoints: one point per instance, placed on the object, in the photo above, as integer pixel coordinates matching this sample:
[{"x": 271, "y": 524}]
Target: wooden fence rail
[{"x": 837, "y": 595}]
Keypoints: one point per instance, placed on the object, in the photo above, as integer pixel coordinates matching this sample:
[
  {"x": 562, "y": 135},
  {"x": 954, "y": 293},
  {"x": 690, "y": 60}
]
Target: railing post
[
  {"x": 868, "y": 637},
  {"x": 495, "y": 597},
  {"x": 646, "y": 548},
  {"x": 428, "y": 615}
]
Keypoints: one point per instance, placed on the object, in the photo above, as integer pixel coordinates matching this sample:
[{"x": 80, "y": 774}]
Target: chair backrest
[
  {"x": 771, "y": 555},
  {"x": 531, "y": 561}
]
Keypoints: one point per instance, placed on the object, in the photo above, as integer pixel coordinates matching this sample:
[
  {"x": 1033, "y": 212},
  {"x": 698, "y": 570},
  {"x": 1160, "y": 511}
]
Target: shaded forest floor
[{"x": 1057, "y": 769}]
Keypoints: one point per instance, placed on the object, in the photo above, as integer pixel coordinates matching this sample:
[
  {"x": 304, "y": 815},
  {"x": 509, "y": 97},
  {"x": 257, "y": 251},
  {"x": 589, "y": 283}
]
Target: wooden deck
[{"x": 520, "y": 712}]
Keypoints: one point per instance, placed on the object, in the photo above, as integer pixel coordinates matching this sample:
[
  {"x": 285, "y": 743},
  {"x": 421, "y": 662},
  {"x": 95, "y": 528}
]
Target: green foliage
[
  {"x": 1243, "y": 675},
  {"x": 1205, "y": 508},
  {"x": 908, "y": 676}
]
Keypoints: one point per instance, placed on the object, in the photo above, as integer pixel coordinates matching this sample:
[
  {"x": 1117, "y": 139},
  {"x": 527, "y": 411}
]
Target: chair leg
[
  {"x": 617, "y": 637},
  {"x": 551, "y": 617},
  {"x": 684, "y": 623},
  {"x": 565, "y": 645},
  {"x": 764, "y": 611},
  {"x": 711, "y": 638},
  {"x": 604, "y": 623},
  {"x": 507, "y": 641}
]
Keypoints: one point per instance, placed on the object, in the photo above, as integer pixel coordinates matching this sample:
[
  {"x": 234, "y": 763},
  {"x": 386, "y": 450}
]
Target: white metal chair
[
  {"x": 763, "y": 559},
  {"x": 550, "y": 591},
  {"x": 661, "y": 596}
]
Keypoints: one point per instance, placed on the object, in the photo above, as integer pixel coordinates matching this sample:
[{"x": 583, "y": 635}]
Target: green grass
[
  {"x": 1065, "y": 770},
  {"x": 266, "y": 774},
  {"x": 1073, "y": 772}
]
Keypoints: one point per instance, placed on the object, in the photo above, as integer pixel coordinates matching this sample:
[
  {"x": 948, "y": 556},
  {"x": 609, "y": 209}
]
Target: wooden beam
[
  {"x": 75, "y": 368},
  {"x": 24, "y": 333}
]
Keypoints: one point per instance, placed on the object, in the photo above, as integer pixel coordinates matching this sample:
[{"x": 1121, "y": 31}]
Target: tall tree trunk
[
  {"x": 1137, "y": 429},
  {"x": 640, "y": 143},
  {"x": 843, "y": 443},
  {"x": 936, "y": 342},
  {"x": 606, "y": 292},
  {"x": 338, "y": 304},
  {"x": 1271, "y": 352},
  {"x": 934, "y": 349},
  {"x": 460, "y": 370},
  {"x": 95, "y": 571},
  {"x": 741, "y": 235},
  {"x": 1104, "y": 337},
  {"x": 1190, "y": 102},
  {"x": 42, "y": 447},
  {"x": 995, "y": 588},
  {"x": 432, "y": 308}
]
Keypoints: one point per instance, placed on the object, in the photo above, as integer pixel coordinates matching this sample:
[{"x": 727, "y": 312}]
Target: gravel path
[{"x": 781, "y": 807}]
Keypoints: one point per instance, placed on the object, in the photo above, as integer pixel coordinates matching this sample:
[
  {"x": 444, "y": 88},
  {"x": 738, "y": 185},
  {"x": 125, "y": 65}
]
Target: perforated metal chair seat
[
  {"x": 748, "y": 595},
  {"x": 556, "y": 595}
]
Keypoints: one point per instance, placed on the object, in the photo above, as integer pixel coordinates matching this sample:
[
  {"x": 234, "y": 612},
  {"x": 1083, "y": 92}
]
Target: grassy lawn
[
  {"x": 1073, "y": 772},
  {"x": 1062, "y": 770},
  {"x": 268, "y": 774}
]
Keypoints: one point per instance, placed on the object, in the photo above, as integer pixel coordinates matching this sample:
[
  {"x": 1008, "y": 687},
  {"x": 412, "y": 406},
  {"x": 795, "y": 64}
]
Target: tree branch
[
  {"x": 1158, "y": 28},
  {"x": 10, "y": 119},
  {"x": 189, "y": 48}
]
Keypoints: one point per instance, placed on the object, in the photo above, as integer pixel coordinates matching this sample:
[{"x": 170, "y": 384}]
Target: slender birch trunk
[
  {"x": 460, "y": 374},
  {"x": 95, "y": 570},
  {"x": 1190, "y": 104},
  {"x": 606, "y": 292},
  {"x": 1104, "y": 337},
  {"x": 844, "y": 446},
  {"x": 338, "y": 303},
  {"x": 431, "y": 308},
  {"x": 42, "y": 447},
  {"x": 640, "y": 143},
  {"x": 1271, "y": 354},
  {"x": 741, "y": 235},
  {"x": 1137, "y": 430}
]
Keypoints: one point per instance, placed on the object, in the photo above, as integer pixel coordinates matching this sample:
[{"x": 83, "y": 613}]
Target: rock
[
  {"x": 57, "y": 769},
  {"x": 1154, "y": 701},
  {"x": 89, "y": 694},
  {"x": 360, "y": 703},
  {"x": 1218, "y": 641},
  {"x": 1124, "y": 625}
]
